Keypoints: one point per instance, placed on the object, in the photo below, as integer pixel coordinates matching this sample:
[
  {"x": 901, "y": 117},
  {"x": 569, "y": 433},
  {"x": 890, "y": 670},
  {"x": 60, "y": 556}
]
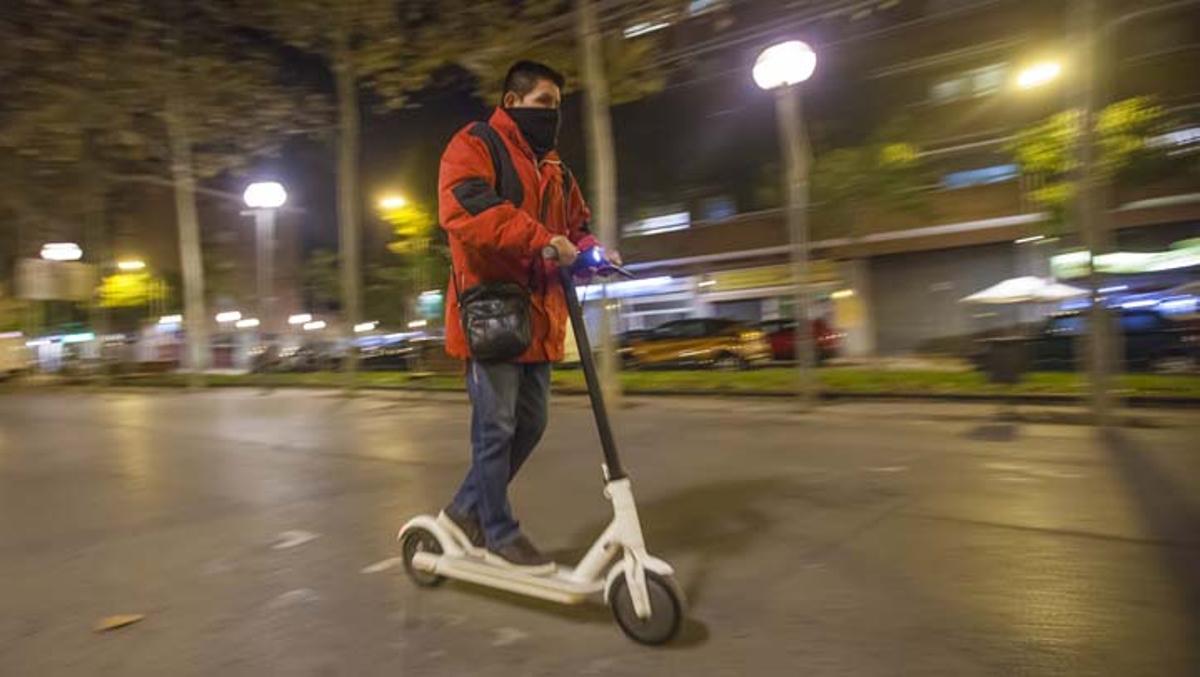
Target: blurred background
[{"x": 987, "y": 189}]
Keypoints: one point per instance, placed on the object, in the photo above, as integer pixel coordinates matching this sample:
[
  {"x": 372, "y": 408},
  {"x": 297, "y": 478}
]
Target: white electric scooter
[{"x": 639, "y": 588}]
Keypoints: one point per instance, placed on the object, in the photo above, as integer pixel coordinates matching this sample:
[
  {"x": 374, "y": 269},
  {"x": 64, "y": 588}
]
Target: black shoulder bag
[{"x": 495, "y": 319}]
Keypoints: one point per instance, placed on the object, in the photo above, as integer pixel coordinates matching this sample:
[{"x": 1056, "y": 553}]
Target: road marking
[
  {"x": 291, "y": 539},
  {"x": 293, "y": 597},
  {"x": 887, "y": 468},
  {"x": 118, "y": 621},
  {"x": 1033, "y": 471},
  {"x": 383, "y": 565},
  {"x": 506, "y": 636},
  {"x": 1017, "y": 478}
]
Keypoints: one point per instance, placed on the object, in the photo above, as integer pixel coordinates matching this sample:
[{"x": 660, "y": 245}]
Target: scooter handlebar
[{"x": 585, "y": 262}]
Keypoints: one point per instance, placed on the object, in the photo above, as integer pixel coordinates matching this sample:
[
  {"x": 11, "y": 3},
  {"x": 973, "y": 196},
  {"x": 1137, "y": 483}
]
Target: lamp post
[
  {"x": 264, "y": 199},
  {"x": 782, "y": 67}
]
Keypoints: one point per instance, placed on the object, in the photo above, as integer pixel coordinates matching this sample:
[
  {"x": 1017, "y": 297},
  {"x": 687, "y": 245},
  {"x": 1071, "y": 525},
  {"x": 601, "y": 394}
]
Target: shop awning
[{"x": 1027, "y": 289}]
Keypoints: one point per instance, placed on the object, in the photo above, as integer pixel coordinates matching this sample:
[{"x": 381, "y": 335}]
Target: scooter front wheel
[
  {"x": 418, "y": 540},
  {"x": 666, "y": 609}
]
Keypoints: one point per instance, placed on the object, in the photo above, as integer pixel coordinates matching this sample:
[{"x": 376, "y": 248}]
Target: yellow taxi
[{"x": 702, "y": 341}]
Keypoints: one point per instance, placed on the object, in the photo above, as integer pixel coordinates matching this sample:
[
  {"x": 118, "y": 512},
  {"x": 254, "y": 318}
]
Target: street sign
[{"x": 41, "y": 280}]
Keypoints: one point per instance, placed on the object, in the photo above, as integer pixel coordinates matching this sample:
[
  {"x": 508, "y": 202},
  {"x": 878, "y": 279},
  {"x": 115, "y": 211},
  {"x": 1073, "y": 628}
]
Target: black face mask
[{"x": 539, "y": 126}]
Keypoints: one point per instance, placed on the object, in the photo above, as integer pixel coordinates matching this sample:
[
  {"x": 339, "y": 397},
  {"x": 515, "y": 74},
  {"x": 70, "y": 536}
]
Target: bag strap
[
  {"x": 568, "y": 182},
  {"x": 507, "y": 183},
  {"x": 454, "y": 281}
]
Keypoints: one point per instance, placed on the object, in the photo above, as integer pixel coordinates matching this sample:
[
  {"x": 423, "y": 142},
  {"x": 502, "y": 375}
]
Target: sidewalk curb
[
  {"x": 1146, "y": 401},
  {"x": 1134, "y": 401}
]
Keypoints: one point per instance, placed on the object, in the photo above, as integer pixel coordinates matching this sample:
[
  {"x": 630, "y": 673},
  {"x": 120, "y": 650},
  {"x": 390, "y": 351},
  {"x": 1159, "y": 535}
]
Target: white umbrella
[{"x": 1027, "y": 289}]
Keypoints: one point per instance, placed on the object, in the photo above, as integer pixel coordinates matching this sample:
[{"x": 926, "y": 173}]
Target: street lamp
[
  {"x": 61, "y": 251},
  {"x": 393, "y": 202},
  {"x": 1038, "y": 74},
  {"x": 782, "y": 67},
  {"x": 131, "y": 266},
  {"x": 264, "y": 199}
]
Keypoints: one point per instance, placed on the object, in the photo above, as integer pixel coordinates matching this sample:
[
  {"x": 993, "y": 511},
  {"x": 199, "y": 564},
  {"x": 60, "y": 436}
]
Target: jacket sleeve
[
  {"x": 471, "y": 211},
  {"x": 578, "y": 219}
]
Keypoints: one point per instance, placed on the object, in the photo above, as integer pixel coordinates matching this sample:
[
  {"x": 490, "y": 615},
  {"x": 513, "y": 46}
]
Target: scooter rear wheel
[
  {"x": 421, "y": 540},
  {"x": 666, "y": 609}
]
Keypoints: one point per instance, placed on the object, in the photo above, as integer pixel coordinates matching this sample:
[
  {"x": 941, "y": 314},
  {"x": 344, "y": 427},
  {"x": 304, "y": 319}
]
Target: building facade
[{"x": 891, "y": 279}]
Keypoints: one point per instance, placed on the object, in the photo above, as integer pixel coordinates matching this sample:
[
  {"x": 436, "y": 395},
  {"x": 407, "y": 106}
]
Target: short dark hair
[{"x": 523, "y": 76}]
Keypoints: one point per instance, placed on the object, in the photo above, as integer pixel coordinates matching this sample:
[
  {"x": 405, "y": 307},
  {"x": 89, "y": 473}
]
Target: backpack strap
[{"x": 508, "y": 184}]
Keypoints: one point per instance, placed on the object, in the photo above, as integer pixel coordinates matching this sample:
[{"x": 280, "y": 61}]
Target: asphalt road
[{"x": 255, "y": 533}]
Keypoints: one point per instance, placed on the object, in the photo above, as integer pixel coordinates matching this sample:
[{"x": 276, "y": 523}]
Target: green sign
[{"x": 429, "y": 304}]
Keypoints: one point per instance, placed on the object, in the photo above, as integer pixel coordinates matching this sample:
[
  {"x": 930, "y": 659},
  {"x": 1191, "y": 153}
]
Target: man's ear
[{"x": 509, "y": 100}]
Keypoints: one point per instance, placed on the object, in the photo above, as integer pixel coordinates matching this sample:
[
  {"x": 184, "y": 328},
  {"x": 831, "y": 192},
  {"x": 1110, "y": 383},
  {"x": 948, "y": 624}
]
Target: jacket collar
[{"x": 503, "y": 123}]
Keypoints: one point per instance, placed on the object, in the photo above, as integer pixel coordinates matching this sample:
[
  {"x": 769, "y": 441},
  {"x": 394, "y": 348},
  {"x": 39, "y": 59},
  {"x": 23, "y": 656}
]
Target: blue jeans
[{"x": 509, "y": 404}]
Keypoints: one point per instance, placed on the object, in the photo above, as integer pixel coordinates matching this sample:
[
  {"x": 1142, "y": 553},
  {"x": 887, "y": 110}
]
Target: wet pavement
[{"x": 255, "y": 532}]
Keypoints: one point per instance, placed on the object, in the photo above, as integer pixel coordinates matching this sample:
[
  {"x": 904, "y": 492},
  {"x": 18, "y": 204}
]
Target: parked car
[
  {"x": 721, "y": 343},
  {"x": 781, "y": 334},
  {"x": 1150, "y": 341},
  {"x": 308, "y": 357},
  {"x": 395, "y": 355},
  {"x": 627, "y": 338}
]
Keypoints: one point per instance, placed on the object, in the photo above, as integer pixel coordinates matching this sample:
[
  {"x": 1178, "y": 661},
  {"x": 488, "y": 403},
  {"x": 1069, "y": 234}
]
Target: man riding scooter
[{"x": 504, "y": 195}]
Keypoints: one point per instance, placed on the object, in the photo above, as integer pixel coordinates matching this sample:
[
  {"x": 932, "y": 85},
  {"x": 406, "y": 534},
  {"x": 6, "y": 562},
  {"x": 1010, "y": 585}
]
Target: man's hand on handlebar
[
  {"x": 567, "y": 253},
  {"x": 584, "y": 265}
]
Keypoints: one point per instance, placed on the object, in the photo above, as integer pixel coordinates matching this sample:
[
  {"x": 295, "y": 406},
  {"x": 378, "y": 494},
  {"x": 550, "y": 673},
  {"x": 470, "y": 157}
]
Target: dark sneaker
[
  {"x": 521, "y": 555},
  {"x": 465, "y": 530}
]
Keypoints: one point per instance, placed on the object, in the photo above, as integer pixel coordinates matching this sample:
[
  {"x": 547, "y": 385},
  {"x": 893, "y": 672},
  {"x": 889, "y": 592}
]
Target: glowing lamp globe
[
  {"x": 265, "y": 195},
  {"x": 787, "y": 63}
]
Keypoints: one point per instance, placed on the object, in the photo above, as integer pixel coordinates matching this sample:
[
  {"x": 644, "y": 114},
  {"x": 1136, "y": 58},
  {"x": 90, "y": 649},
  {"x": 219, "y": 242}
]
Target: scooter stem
[{"x": 612, "y": 462}]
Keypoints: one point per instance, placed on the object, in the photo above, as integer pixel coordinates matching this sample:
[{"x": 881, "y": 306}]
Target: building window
[
  {"x": 659, "y": 224},
  {"x": 698, "y": 7},
  {"x": 948, "y": 90},
  {"x": 988, "y": 80},
  {"x": 976, "y": 82},
  {"x": 980, "y": 177},
  {"x": 717, "y": 208}
]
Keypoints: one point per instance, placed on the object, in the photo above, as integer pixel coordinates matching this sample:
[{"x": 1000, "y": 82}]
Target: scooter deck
[{"x": 558, "y": 586}]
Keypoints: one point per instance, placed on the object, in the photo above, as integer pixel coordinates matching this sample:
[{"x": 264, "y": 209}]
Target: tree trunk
[
  {"x": 347, "y": 199},
  {"x": 190, "y": 258},
  {"x": 1091, "y": 216},
  {"x": 603, "y": 175}
]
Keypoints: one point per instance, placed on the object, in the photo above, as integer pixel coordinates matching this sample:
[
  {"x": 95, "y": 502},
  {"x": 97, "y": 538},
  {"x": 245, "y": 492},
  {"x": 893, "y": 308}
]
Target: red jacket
[{"x": 500, "y": 209}]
